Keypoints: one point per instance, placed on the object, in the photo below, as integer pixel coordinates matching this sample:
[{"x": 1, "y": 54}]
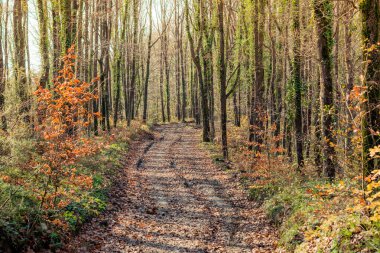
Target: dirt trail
[{"x": 173, "y": 199}]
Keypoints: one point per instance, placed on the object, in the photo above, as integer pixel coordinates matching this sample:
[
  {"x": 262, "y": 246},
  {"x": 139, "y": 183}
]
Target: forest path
[{"x": 172, "y": 198}]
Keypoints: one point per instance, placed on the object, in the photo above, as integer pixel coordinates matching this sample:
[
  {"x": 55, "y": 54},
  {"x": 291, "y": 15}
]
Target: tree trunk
[
  {"x": 66, "y": 24},
  {"x": 134, "y": 58},
  {"x": 162, "y": 89},
  {"x": 146, "y": 83},
  {"x": 44, "y": 42},
  {"x": 95, "y": 103},
  {"x": 324, "y": 16},
  {"x": 167, "y": 79},
  {"x": 223, "y": 80},
  {"x": 118, "y": 88},
  {"x": 256, "y": 116},
  {"x": 104, "y": 66},
  {"x": 297, "y": 84},
  {"x": 3, "y": 121},
  {"x": 80, "y": 52},
  {"x": 370, "y": 10},
  {"x": 183, "y": 74},
  {"x": 56, "y": 38},
  {"x": 350, "y": 71},
  {"x": 318, "y": 129},
  {"x": 177, "y": 61},
  {"x": 19, "y": 62},
  {"x": 203, "y": 89}
]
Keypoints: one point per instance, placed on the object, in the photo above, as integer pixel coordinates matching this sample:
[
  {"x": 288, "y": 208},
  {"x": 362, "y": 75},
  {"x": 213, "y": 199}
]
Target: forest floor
[{"x": 171, "y": 197}]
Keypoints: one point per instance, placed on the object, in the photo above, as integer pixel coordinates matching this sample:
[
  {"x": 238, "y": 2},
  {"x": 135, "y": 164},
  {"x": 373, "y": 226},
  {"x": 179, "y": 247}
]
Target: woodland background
[{"x": 288, "y": 91}]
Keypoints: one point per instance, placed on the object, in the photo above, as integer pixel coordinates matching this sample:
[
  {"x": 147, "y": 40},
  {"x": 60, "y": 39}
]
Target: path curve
[{"x": 172, "y": 198}]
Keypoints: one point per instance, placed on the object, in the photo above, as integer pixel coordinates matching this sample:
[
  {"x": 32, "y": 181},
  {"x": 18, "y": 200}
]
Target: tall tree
[
  {"x": 183, "y": 75},
  {"x": 195, "y": 56},
  {"x": 68, "y": 14},
  {"x": 19, "y": 33},
  {"x": 370, "y": 10},
  {"x": 104, "y": 63},
  {"x": 94, "y": 64},
  {"x": 119, "y": 38},
  {"x": 126, "y": 55},
  {"x": 223, "y": 80},
  {"x": 324, "y": 16},
  {"x": 3, "y": 121},
  {"x": 161, "y": 82},
  {"x": 207, "y": 28},
  {"x": 134, "y": 59},
  {"x": 147, "y": 75},
  {"x": 165, "y": 39},
  {"x": 80, "y": 52},
  {"x": 297, "y": 83},
  {"x": 56, "y": 21},
  {"x": 256, "y": 119},
  {"x": 177, "y": 60},
  {"x": 44, "y": 41}
]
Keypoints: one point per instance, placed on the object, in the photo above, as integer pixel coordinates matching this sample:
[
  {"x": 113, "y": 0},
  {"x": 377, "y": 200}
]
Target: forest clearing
[{"x": 189, "y": 126}]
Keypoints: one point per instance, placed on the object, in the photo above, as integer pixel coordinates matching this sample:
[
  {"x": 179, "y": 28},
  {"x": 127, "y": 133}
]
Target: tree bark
[
  {"x": 256, "y": 119},
  {"x": 370, "y": 10},
  {"x": 44, "y": 42},
  {"x": 183, "y": 75},
  {"x": 324, "y": 16},
  {"x": 56, "y": 38},
  {"x": 177, "y": 61},
  {"x": 134, "y": 59},
  {"x": 19, "y": 63},
  {"x": 3, "y": 121},
  {"x": 350, "y": 71},
  {"x": 146, "y": 83},
  {"x": 223, "y": 80},
  {"x": 196, "y": 60},
  {"x": 297, "y": 84}
]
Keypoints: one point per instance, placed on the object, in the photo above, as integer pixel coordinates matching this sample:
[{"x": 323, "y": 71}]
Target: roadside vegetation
[
  {"x": 56, "y": 179},
  {"x": 25, "y": 224},
  {"x": 312, "y": 214}
]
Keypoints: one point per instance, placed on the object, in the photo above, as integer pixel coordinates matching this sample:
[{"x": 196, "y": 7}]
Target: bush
[{"x": 23, "y": 224}]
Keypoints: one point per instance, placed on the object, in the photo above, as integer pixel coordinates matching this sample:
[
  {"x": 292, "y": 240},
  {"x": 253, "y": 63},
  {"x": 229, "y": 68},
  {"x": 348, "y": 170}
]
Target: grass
[{"x": 316, "y": 216}]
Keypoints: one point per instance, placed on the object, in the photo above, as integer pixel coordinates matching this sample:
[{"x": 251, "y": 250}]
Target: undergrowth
[
  {"x": 311, "y": 213},
  {"x": 24, "y": 224},
  {"x": 317, "y": 216}
]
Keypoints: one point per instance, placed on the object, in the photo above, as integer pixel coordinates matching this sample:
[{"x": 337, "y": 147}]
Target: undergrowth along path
[{"x": 171, "y": 197}]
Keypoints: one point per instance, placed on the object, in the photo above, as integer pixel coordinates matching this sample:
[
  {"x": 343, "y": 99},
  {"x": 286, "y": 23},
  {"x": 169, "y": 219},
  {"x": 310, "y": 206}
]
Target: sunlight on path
[{"x": 176, "y": 200}]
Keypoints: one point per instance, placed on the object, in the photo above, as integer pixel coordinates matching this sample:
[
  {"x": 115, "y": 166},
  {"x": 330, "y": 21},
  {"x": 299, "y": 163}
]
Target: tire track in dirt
[{"x": 176, "y": 200}]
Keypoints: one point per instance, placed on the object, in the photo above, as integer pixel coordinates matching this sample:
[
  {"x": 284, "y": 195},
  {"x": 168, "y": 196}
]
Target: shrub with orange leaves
[
  {"x": 373, "y": 189},
  {"x": 64, "y": 118},
  {"x": 261, "y": 163}
]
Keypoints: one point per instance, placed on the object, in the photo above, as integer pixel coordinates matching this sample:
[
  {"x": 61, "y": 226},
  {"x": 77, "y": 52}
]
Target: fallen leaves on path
[{"x": 172, "y": 198}]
